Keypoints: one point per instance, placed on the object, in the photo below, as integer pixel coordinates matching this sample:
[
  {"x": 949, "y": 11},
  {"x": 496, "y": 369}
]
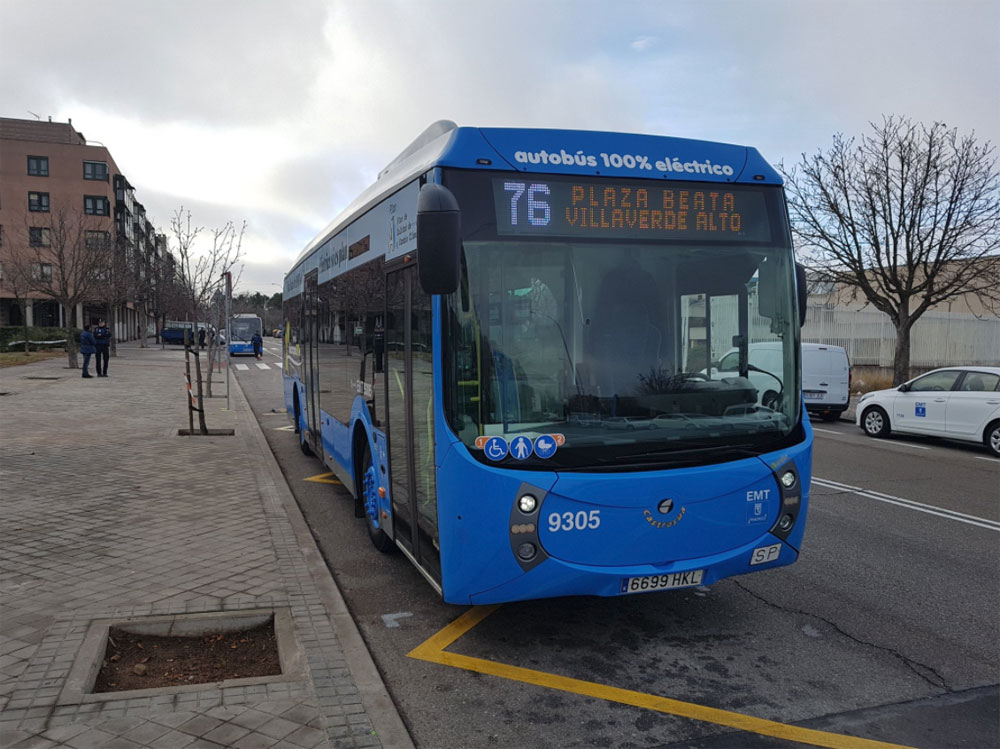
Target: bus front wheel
[
  {"x": 369, "y": 494},
  {"x": 303, "y": 443}
]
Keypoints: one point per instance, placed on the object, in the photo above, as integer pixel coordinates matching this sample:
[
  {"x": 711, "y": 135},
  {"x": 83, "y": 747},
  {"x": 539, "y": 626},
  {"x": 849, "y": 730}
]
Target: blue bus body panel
[
  {"x": 617, "y": 155},
  {"x": 721, "y": 514},
  {"x": 240, "y": 348}
]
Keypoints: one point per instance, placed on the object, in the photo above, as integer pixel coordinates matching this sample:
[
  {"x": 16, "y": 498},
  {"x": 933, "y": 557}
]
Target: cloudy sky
[{"x": 279, "y": 113}]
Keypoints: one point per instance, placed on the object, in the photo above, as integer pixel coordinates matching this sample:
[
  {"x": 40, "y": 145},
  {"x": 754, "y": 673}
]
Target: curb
[{"x": 375, "y": 699}]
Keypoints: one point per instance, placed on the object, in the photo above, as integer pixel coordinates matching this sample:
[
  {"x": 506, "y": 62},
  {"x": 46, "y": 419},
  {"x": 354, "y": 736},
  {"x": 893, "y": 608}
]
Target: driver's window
[{"x": 935, "y": 381}]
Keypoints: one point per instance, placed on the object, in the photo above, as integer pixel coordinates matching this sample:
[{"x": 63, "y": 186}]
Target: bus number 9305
[{"x": 569, "y": 521}]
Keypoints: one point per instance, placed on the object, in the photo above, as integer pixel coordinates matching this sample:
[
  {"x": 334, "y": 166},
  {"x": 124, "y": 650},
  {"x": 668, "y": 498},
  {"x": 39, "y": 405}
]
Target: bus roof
[{"x": 544, "y": 151}]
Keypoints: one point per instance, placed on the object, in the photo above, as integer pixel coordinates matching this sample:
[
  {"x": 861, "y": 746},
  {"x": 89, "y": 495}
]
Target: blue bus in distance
[
  {"x": 508, "y": 347},
  {"x": 241, "y": 331}
]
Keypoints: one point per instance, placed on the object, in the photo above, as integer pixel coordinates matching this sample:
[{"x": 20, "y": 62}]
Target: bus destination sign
[{"x": 630, "y": 210}]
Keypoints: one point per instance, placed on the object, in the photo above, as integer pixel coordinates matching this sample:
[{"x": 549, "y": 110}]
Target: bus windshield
[
  {"x": 625, "y": 349},
  {"x": 243, "y": 327}
]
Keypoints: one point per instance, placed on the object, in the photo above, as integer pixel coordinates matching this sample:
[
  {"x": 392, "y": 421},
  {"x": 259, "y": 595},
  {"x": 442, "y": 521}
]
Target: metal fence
[{"x": 938, "y": 339}]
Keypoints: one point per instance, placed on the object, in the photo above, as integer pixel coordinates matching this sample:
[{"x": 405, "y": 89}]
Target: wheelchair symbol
[{"x": 496, "y": 448}]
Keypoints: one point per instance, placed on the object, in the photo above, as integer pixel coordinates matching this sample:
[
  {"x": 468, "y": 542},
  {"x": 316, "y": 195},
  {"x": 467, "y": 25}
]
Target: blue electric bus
[
  {"x": 507, "y": 350},
  {"x": 241, "y": 330}
]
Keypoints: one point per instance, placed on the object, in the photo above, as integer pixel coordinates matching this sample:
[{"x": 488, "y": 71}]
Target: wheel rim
[
  {"x": 995, "y": 440},
  {"x": 873, "y": 422}
]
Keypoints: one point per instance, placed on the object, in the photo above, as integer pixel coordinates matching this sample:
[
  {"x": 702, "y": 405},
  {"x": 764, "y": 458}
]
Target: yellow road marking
[
  {"x": 324, "y": 478},
  {"x": 433, "y": 650}
]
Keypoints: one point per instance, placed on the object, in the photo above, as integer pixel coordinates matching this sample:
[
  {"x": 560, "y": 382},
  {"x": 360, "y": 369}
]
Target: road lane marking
[
  {"x": 433, "y": 651},
  {"x": 992, "y": 460},
  {"x": 827, "y": 431},
  {"x": 241, "y": 367},
  {"x": 262, "y": 365},
  {"x": 391, "y": 621},
  {"x": 324, "y": 478},
  {"x": 961, "y": 517}
]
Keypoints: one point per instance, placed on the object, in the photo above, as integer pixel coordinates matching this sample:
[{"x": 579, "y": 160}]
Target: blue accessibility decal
[
  {"x": 520, "y": 447},
  {"x": 495, "y": 448},
  {"x": 545, "y": 446}
]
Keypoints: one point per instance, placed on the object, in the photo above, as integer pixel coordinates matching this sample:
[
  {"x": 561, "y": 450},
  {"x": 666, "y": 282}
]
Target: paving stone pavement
[{"x": 106, "y": 513}]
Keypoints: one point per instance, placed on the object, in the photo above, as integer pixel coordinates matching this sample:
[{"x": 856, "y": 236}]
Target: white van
[
  {"x": 826, "y": 375},
  {"x": 826, "y": 379}
]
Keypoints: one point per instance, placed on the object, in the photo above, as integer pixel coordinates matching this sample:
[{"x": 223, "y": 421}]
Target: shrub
[{"x": 12, "y": 337}]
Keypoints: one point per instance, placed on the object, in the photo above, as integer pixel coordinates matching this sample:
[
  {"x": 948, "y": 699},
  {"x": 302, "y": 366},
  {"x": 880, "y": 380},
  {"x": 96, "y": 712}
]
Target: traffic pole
[{"x": 229, "y": 333}]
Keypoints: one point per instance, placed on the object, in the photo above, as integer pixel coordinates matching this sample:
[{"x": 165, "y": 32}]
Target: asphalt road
[{"x": 886, "y": 628}]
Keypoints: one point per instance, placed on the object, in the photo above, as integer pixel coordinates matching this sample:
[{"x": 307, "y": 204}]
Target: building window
[
  {"x": 97, "y": 240},
  {"x": 96, "y": 205},
  {"x": 38, "y": 202},
  {"x": 38, "y": 166},
  {"x": 42, "y": 272},
  {"x": 95, "y": 170},
  {"x": 39, "y": 237}
]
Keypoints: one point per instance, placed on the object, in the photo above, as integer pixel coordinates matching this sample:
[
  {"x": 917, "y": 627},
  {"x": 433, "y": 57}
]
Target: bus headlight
[
  {"x": 527, "y": 504},
  {"x": 788, "y": 479}
]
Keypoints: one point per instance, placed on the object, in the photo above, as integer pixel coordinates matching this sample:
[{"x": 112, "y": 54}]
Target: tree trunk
[
  {"x": 143, "y": 323},
  {"x": 72, "y": 346},
  {"x": 202, "y": 426},
  {"x": 901, "y": 358},
  {"x": 24, "y": 319}
]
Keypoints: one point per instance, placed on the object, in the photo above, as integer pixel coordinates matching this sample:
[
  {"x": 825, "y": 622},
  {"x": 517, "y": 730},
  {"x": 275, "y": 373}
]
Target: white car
[{"x": 960, "y": 403}]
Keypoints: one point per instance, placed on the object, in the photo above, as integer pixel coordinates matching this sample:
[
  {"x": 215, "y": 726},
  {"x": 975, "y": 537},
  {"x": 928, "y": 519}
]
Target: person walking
[
  {"x": 258, "y": 344},
  {"x": 102, "y": 337},
  {"x": 88, "y": 347}
]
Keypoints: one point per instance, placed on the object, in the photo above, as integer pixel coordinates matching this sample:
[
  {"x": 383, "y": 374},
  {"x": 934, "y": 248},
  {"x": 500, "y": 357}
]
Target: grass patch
[{"x": 13, "y": 359}]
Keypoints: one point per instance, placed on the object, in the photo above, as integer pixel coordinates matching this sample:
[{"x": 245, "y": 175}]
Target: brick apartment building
[{"x": 70, "y": 227}]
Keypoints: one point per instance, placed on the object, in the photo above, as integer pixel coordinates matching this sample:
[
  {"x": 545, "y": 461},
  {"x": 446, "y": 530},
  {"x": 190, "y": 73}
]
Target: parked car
[
  {"x": 826, "y": 375},
  {"x": 959, "y": 403},
  {"x": 826, "y": 380}
]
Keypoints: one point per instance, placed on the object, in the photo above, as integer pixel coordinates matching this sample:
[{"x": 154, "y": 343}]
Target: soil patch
[{"x": 147, "y": 661}]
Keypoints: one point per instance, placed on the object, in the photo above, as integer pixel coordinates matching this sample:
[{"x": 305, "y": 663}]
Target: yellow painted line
[
  {"x": 433, "y": 650},
  {"x": 324, "y": 478}
]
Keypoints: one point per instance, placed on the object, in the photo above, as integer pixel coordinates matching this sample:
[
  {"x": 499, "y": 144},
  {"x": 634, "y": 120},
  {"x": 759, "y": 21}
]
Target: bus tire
[
  {"x": 367, "y": 488},
  {"x": 303, "y": 444}
]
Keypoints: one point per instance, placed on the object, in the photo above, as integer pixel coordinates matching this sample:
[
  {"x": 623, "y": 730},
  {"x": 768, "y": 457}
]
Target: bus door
[
  {"x": 310, "y": 355},
  {"x": 409, "y": 381}
]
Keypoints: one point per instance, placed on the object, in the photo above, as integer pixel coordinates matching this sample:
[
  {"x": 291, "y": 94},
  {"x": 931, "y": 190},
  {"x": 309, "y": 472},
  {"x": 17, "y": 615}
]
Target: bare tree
[
  {"x": 908, "y": 217},
  {"x": 16, "y": 277},
  {"x": 200, "y": 277},
  {"x": 63, "y": 265}
]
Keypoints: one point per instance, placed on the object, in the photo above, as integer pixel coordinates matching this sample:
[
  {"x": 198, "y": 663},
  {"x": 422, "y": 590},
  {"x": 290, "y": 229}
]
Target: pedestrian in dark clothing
[
  {"x": 88, "y": 347},
  {"x": 258, "y": 344},
  {"x": 102, "y": 337},
  {"x": 201, "y": 337}
]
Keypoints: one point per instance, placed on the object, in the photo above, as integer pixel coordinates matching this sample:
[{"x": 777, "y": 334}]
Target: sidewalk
[{"x": 107, "y": 514}]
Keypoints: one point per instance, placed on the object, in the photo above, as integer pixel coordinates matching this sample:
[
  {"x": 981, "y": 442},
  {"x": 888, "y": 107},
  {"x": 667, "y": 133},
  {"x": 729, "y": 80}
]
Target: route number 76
[{"x": 569, "y": 521}]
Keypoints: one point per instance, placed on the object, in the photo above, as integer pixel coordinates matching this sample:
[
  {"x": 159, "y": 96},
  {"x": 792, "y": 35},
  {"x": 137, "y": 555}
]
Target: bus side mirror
[
  {"x": 801, "y": 288},
  {"x": 439, "y": 239}
]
